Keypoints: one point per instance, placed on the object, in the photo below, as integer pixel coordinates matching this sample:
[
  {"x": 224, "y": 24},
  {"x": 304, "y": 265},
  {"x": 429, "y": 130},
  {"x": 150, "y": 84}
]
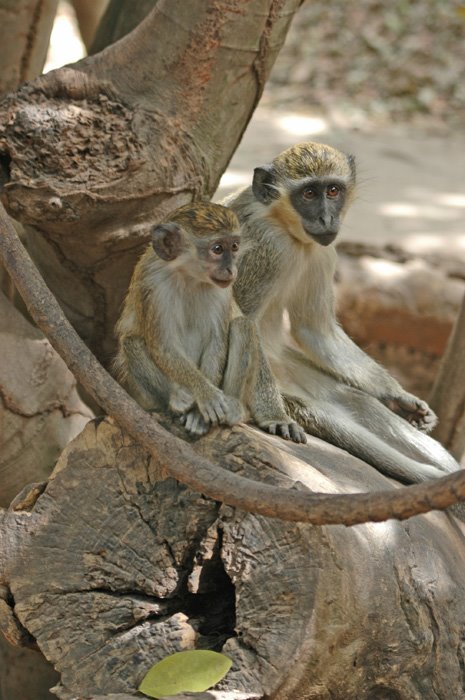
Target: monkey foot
[
  {"x": 288, "y": 431},
  {"x": 413, "y": 410}
]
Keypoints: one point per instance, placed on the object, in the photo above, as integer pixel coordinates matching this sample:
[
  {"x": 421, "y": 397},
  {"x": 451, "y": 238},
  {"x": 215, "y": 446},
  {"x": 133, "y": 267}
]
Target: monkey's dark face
[
  {"x": 319, "y": 201},
  {"x": 221, "y": 260}
]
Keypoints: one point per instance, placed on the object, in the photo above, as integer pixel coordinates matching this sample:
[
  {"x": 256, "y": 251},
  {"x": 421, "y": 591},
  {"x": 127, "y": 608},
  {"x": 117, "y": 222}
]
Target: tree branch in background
[
  {"x": 448, "y": 395},
  {"x": 88, "y": 15},
  {"x": 26, "y": 26},
  {"x": 120, "y": 18}
]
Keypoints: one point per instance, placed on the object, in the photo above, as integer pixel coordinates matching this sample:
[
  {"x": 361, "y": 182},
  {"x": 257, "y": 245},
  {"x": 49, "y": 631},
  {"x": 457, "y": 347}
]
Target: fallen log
[{"x": 110, "y": 566}]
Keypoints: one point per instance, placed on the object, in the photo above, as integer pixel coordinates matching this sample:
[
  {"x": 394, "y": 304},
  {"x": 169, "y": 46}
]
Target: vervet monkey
[
  {"x": 290, "y": 217},
  {"x": 182, "y": 337}
]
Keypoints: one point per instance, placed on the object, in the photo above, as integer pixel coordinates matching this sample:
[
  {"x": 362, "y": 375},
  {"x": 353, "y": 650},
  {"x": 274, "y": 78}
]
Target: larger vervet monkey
[
  {"x": 182, "y": 337},
  {"x": 290, "y": 217}
]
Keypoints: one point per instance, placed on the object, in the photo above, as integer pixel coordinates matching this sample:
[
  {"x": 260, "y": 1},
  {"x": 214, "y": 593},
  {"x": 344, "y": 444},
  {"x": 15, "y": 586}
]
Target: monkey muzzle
[
  {"x": 224, "y": 280},
  {"x": 324, "y": 238}
]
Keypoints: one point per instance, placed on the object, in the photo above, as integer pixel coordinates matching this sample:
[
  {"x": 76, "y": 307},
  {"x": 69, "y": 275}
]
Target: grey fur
[{"x": 332, "y": 387}]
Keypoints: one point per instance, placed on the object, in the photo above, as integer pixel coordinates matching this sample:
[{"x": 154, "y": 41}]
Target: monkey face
[
  {"x": 319, "y": 201},
  {"x": 220, "y": 259}
]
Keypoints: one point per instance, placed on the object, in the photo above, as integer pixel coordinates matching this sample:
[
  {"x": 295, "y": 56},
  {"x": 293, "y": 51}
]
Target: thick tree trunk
[
  {"x": 112, "y": 578},
  {"x": 94, "y": 153}
]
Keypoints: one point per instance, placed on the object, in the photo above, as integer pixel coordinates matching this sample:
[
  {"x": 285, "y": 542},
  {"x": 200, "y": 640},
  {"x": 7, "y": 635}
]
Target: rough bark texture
[
  {"x": 25, "y": 28},
  {"x": 448, "y": 397},
  {"x": 40, "y": 410},
  {"x": 112, "y": 578},
  {"x": 94, "y": 153}
]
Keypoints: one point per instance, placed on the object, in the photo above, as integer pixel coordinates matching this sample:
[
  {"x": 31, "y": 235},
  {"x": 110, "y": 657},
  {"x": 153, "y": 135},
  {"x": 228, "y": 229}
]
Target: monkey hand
[
  {"x": 286, "y": 429},
  {"x": 181, "y": 400},
  {"x": 235, "y": 412},
  {"x": 194, "y": 423},
  {"x": 413, "y": 409},
  {"x": 213, "y": 405}
]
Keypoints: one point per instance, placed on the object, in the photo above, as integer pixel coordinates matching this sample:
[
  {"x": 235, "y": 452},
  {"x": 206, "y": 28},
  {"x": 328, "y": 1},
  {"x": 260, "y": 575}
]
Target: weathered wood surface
[
  {"x": 40, "y": 409},
  {"x": 110, "y": 566}
]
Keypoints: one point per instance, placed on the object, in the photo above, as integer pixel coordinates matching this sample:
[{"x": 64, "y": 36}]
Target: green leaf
[{"x": 186, "y": 671}]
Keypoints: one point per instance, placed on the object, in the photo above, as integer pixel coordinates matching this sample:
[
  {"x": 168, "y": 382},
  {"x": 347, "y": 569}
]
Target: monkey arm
[
  {"x": 258, "y": 269},
  {"x": 248, "y": 377},
  {"x": 176, "y": 368},
  {"x": 324, "y": 343}
]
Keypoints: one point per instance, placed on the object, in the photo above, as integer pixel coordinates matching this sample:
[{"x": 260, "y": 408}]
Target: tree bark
[
  {"x": 448, "y": 395},
  {"x": 120, "y": 18},
  {"x": 88, "y": 15},
  {"x": 25, "y": 28},
  {"x": 40, "y": 410},
  {"x": 107, "y": 580},
  {"x": 94, "y": 153}
]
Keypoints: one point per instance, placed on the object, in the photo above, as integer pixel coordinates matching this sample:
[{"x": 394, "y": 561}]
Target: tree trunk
[
  {"x": 95, "y": 153},
  {"x": 40, "y": 410},
  {"x": 25, "y": 28},
  {"x": 88, "y": 15},
  {"x": 110, "y": 579},
  {"x": 448, "y": 396},
  {"x": 120, "y": 18}
]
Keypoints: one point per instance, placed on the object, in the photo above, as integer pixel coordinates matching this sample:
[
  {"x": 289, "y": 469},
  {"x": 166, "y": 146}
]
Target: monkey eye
[
  {"x": 235, "y": 246},
  {"x": 217, "y": 249},
  {"x": 332, "y": 191},
  {"x": 308, "y": 193}
]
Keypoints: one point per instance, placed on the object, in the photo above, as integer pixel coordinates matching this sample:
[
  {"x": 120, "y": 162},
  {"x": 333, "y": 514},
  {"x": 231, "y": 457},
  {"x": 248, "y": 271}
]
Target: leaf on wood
[{"x": 193, "y": 671}]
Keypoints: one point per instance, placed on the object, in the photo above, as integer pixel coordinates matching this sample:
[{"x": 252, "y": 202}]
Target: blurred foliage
[{"x": 397, "y": 60}]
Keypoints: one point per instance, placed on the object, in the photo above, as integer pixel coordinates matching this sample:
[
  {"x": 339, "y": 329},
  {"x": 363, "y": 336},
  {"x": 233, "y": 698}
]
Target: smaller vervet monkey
[{"x": 181, "y": 336}]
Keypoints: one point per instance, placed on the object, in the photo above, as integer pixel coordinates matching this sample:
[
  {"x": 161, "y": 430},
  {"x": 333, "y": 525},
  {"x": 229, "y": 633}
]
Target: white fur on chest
[{"x": 189, "y": 313}]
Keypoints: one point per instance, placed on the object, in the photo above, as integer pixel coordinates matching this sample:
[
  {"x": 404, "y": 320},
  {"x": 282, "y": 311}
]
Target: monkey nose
[{"x": 326, "y": 220}]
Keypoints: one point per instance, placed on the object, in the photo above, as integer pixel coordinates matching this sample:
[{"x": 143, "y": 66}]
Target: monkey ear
[
  {"x": 353, "y": 169},
  {"x": 167, "y": 240},
  {"x": 263, "y": 185}
]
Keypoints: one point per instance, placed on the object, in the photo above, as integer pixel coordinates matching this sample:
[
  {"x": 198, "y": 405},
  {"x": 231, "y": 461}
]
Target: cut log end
[{"x": 120, "y": 566}]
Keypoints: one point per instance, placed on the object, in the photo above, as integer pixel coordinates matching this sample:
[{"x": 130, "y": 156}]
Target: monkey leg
[
  {"x": 248, "y": 377},
  {"x": 361, "y": 425},
  {"x": 181, "y": 400},
  {"x": 144, "y": 381}
]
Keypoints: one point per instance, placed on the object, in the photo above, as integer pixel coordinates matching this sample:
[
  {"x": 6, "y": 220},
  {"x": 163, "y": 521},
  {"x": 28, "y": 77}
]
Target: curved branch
[{"x": 176, "y": 457}]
